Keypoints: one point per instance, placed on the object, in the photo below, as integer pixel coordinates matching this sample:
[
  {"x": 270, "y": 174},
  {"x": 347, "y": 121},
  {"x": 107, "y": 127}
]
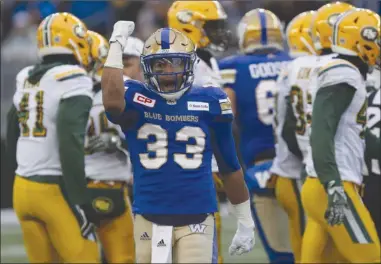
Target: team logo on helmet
[
  {"x": 184, "y": 16},
  {"x": 103, "y": 205},
  {"x": 369, "y": 33},
  {"x": 79, "y": 31},
  {"x": 332, "y": 19}
]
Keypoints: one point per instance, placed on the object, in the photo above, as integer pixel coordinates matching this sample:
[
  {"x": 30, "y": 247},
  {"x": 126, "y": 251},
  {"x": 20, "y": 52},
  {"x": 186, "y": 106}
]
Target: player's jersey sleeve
[
  {"x": 221, "y": 129},
  {"x": 339, "y": 71},
  {"x": 228, "y": 72}
]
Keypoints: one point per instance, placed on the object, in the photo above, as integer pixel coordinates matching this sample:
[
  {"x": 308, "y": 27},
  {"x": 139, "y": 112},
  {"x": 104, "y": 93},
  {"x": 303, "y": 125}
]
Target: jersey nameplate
[
  {"x": 198, "y": 106},
  {"x": 143, "y": 100}
]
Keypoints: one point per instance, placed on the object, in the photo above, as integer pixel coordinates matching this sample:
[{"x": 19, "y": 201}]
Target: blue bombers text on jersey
[
  {"x": 171, "y": 147},
  {"x": 253, "y": 77}
]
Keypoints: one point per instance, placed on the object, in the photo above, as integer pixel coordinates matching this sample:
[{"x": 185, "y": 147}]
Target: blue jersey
[
  {"x": 253, "y": 78},
  {"x": 171, "y": 146}
]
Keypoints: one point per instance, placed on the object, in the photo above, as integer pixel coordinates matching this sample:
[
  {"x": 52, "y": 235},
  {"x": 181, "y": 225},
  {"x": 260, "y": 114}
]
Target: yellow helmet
[
  {"x": 99, "y": 48},
  {"x": 168, "y": 61},
  {"x": 258, "y": 29},
  {"x": 298, "y": 33},
  {"x": 63, "y": 33},
  {"x": 322, "y": 24},
  {"x": 357, "y": 33},
  {"x": 204, "y": 22}
]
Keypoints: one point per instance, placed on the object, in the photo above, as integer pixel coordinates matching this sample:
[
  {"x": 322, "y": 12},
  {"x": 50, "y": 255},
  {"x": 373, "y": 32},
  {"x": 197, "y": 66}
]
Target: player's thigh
[
  {"x": 314, "y": 242},
  {"x": 117, "y": 238},
  {"x": 63, "y": 225},
  {"x": 356, "y": 239},
  {"x": 196, "y": 243},
  {"x": 27, "y": 195},
  {"x": 288, "y": 195},
  {"x": 331, "y": 254},
  {"x": 317, "y": 246},
  {"x": 41, "y": 204},
  {"x": 142, "y": 237},
  {"x": 272, "y": 219},
  {"x": 37, "y": 243},
  {"x": 20, "y": 197},
  {"x": 314, "y": 200}
]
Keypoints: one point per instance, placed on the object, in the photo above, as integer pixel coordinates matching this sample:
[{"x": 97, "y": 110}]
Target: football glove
[
  {"x": 337, "y": 203},
  {"x": 243, "y": 240},
  {"x": 107, "y": 142},
  {"x": 88, "y": 220},
  {"x": 122, "y": 30}
]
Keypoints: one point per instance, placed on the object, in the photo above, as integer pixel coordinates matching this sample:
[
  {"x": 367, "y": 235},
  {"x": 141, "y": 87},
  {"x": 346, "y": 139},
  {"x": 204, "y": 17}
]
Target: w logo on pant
[{"x": 198, "y": 228}]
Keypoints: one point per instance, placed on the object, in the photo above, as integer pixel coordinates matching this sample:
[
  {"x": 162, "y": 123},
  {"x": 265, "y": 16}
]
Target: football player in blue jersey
[
  {"x": 172, "y": 127},
  {"x": 249, "y": 79}
]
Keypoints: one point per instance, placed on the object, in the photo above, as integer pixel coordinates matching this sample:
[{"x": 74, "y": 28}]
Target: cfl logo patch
[{"x": 143, "y": 100}]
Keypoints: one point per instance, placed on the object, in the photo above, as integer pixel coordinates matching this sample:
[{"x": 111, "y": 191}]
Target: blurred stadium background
[{"x": 19, "y": 21}]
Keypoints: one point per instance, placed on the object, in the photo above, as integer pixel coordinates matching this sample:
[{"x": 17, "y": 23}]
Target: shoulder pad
[
  {"x": 228, "y": 69},
  {"x": 335, "y": 64},
  {"x": 339, "y": 71},
  {"x": 67, "y": 72},
  {"x": 209, "y": 91},
  {"x": 130, "y": 83},
  {"x": 228, "y": 61},
  {"x": 286, "y": 55},
  {"x": 22, "y": 76}
]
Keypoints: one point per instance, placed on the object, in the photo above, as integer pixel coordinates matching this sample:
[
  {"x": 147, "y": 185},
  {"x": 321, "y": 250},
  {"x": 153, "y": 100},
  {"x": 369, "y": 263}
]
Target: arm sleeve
[
  {"x": 224, "y": 147},
  {"x": 328, "y": 107},
  {"x": 222, "y": 138},
  {"x": 13, "y": 133},
  {"x": 288, "y": 130},
  {"x": 73, "y": 114}
]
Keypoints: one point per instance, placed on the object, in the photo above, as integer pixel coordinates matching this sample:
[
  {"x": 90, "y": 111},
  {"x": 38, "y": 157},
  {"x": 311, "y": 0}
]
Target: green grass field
[{"x": 12, "y": 249}]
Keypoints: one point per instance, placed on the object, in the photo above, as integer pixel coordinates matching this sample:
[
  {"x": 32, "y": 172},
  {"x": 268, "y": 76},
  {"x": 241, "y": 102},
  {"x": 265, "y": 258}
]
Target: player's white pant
[
  {"x": 190, "y": 244},
  {"x": 269, "y": 216}
]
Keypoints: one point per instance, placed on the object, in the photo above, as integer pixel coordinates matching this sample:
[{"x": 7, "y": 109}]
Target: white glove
[
  {"x": 243, "y": 240},
  {"x": 122, "y": 30}
]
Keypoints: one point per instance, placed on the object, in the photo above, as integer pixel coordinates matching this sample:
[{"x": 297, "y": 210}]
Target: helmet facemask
[
  {"x": 218, "y": 34},
  {"x": 169, "y": 75}
]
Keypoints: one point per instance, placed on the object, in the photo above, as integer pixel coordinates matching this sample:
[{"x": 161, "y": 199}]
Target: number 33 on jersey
[{"x": 171, "y": 146}]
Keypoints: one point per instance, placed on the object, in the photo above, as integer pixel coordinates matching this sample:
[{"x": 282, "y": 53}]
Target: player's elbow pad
[{"x": 224, "y": 148}]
